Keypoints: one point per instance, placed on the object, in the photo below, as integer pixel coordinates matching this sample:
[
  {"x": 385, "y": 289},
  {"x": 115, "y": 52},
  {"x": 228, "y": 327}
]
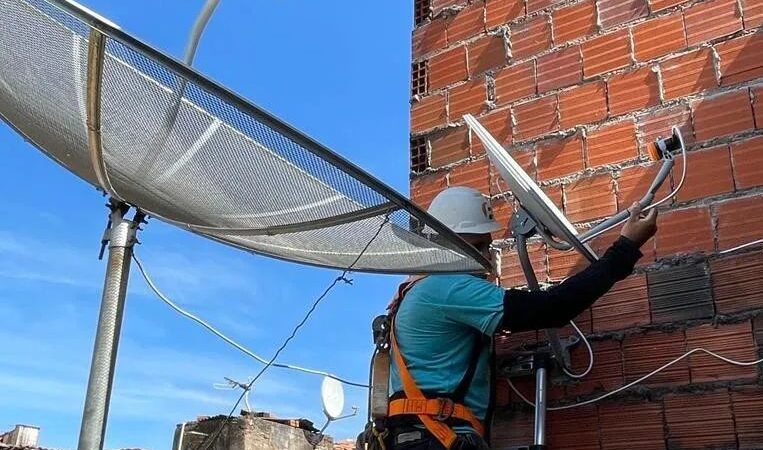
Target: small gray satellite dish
[
  {"x": 332, "y": 395},
  {"x": 530, "y": 196}
]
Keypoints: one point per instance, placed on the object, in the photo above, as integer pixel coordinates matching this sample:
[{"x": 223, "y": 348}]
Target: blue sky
[{"x": 337, "y": 70}]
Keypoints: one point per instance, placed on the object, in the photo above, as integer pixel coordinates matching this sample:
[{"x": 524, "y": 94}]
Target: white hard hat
[{"x": 464, "y": 210}]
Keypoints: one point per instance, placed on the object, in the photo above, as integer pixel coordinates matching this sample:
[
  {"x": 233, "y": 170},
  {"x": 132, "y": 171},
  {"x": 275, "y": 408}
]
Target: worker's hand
[{"x": 640, "y": 228}]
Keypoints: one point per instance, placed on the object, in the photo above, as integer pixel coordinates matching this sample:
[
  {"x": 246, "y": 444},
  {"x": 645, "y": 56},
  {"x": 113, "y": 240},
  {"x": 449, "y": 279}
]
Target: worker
[{"x": 442, "y": 327}]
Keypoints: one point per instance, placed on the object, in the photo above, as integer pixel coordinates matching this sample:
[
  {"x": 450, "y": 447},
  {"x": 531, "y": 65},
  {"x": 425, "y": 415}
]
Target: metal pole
[
  {"x": 121, "y": 235},
  {"x": 522, "y": 227},
  {"x": 541, "y": 362},
  {"x": 198, "y": 29}
]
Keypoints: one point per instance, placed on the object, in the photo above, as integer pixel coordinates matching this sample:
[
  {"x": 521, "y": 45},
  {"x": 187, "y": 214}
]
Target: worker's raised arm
[{"x": 553, "y": 308}]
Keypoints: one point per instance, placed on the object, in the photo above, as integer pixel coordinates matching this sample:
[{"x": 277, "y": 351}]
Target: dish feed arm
[{"x": 660, "y": 150}]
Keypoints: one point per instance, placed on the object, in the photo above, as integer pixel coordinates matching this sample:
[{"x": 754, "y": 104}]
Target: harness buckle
[
  {"x": 381, "y": 326},
  {"x": 446, "y": 410}
]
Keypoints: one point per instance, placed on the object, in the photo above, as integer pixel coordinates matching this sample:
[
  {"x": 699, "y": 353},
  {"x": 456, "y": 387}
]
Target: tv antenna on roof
[
  {"x": 537, "y": 214},
  {"x": 160, "y": 138},
  {"x": 233, "y": 384}
]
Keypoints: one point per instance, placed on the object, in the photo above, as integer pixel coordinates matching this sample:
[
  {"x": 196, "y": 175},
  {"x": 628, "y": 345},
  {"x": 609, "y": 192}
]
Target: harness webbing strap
[
  {"x": 431, "y": 412},
  {"x": 442, "y": 432}
]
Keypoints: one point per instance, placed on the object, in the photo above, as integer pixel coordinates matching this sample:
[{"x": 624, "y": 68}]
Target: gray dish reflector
[
  {"x": 530, "y": 195},
  {"x": 153, "y": 132}
]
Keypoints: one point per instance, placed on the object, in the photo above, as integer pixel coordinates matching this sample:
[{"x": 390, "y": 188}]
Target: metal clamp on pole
[{"x": 121, "y": 236}]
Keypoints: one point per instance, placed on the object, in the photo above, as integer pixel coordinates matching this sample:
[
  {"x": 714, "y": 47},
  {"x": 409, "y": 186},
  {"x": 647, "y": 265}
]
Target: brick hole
[
  {"x": 711, "y": 20},
  {"x": 422, "y": 9},
  {"x": 418, "y": 154},
  {"x": 419, "y": 78}
]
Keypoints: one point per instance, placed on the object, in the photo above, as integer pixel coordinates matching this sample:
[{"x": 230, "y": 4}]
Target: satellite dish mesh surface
[{"x": 154, "y": 133}]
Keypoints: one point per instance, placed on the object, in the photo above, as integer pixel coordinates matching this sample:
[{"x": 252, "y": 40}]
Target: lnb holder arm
[
  {"x": 646, "y": 200},
  {"x": 660, "y": 150}
]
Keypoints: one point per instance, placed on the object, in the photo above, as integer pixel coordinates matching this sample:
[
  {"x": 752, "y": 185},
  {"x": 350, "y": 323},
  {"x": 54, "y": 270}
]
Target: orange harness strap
[
  {"x": 441, "y": 408},
  {"x": 401, "y": 291},
  {"x": 431, "y": 412}
]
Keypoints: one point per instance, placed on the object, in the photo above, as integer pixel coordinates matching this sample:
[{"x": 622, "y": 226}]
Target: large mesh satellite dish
[{"x": 154, "y": 133}]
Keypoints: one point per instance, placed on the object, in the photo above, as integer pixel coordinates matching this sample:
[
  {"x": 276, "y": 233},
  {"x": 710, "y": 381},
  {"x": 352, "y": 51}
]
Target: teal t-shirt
[{"x": 435, "y": 329}]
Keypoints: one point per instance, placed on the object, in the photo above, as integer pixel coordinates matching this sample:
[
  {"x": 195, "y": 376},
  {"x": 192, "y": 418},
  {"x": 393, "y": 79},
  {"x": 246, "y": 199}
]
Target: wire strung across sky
[
  {"x": 342, "y": 277},
  {"x": 216, "y": 332}
]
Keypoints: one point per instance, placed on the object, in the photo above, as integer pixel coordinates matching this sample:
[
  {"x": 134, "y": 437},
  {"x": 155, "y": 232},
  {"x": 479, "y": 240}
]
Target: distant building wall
[
  {"x": 21, "y": 436},
  {"x": 247, "y": 433},
  {"x": 345, "y": 445}
]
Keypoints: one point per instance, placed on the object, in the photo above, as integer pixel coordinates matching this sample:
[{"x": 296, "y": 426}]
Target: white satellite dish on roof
[{"x": 332, "y": 396}]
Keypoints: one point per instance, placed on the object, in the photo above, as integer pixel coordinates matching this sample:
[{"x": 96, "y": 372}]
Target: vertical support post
[
  {"x": 522, "y": 227},
  {"x": 540, "y": 362},
  {"x": 121, "y": 235}
]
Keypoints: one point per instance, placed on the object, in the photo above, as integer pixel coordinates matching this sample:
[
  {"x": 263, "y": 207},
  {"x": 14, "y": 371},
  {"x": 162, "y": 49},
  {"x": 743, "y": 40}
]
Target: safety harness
[{"x": 438, "y": 414}]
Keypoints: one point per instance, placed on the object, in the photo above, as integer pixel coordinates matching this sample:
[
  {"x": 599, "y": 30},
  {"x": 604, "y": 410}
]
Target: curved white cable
[
  {"x": 225, "y": 338},
  {"x": 519, "y": 394},
  {"x": 635, "y": 382},
  {"x": 590, "y": 355},
  {"x": 739, "y": 247}
]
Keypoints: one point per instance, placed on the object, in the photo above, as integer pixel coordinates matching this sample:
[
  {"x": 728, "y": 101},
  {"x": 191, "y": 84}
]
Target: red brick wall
[{"x": 575, "y": 90}]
